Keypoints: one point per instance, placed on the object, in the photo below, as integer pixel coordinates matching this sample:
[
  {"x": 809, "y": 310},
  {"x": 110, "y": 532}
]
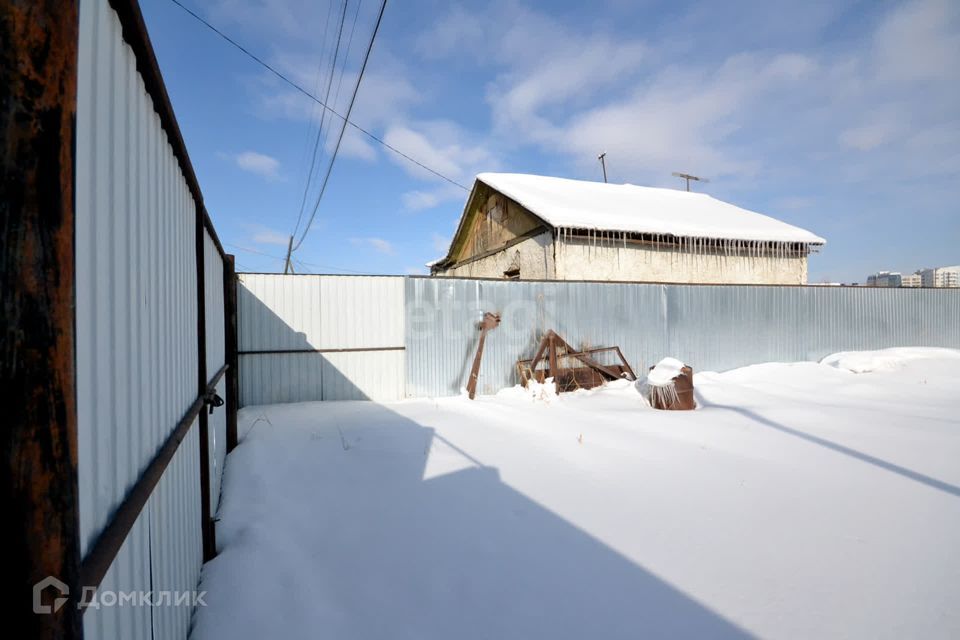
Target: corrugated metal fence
[
  {"x": 306, "y": 337},
  {"x": 711, "y": 327},
  {"x": 150, "y": 328}
]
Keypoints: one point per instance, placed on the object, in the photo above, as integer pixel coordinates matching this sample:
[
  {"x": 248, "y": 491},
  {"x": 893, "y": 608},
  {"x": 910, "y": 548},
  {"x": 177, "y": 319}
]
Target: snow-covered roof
[{"x": 578, "y": 204}]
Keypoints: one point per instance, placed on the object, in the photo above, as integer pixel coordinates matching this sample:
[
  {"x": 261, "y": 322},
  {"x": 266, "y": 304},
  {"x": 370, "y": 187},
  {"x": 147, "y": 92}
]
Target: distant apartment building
[
  {"x": 885, "y": 279},
  {"x": 911, "y": 280},
  {"x": 940, "y": 277}
]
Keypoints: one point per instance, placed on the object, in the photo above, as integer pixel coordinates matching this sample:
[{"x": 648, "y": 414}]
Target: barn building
[{"x": 528, "y": 227}]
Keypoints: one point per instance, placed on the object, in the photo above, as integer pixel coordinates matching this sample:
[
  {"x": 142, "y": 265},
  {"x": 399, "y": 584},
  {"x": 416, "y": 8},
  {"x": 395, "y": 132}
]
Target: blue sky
[{"x": 840, "y": 117}]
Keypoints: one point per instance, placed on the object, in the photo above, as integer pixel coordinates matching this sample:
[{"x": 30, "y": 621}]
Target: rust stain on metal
[
  {"x": 38, "y": 78},
  {"x": 571, "y": 368},
  {"x": 682, "y": 399}
]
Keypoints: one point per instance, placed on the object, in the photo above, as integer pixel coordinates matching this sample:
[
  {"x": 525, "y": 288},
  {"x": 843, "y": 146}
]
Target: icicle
[{"x": 662, "y": 395}]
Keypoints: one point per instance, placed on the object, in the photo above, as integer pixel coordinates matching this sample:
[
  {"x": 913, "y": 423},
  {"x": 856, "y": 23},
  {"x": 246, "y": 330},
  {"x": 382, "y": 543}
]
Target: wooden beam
[{"x": 38, "y": 448}]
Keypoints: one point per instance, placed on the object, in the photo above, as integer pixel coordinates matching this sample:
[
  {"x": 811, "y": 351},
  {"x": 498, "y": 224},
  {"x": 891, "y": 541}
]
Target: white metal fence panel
[
  {"x": 709, "y": 327},
  {"x": 136, "y": 275},
  {"x": 365, "y": 375},
  {"x": 136, "y": 324},
  {"x": 278, "y": 313},
  {"x": 277, "y": 378},
  {"x": 360, "y": 312},
  {"x": 213, "y": 290},
  {"x": 217, "y": 434},
  {"x": 175, "y": 539},
  {"x": 216, "y": 357},
  {"x": 167, "y": 528},
  {"x": 130, "y": 571},
  {"x": 308, "y": 337}
]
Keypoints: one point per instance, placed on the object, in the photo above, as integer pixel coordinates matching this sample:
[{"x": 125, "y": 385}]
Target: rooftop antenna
[
  {"x": 603, "y": 163},
  {"x": 688, "y": 178}
]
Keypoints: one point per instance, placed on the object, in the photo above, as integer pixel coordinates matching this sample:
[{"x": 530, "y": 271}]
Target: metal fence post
[
  {"x": 38, "y": 445},
  {"x": 230, "y": 332},
  {"x": 206, "y": 523}
]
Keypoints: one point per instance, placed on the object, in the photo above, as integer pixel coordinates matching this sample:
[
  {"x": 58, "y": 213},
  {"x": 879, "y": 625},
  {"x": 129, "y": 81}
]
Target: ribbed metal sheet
[
  {"x": 175, "y": 540},
  {"x": 217, "y": 432},
  {"x": 710, "y": 327},
  {"x": 302, "y": 377},
  {"x": 213, "y": 291},
  {"x": 319, "y": 312},
  {"x": 136, "y": 276},
  {"x": 162, "y": 552},
  {"x": 306, "y": 312},
  {"x": 136, "y": 324},
  {"x": 130, "y": 571},
  {"x": 216, "y": 356}
]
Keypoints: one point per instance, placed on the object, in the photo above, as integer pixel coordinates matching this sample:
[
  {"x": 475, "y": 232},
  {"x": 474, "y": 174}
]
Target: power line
[
  {"x": 313, "y": 105},
  {"x": 346, "y": 119},
  {"x": 323, "y": 117},
  {"x": 281, "y": 258},
  {"x": 343, "y": 70},
  {"x": 318, "y": 100},
  {"x": 343, "y": 65}
]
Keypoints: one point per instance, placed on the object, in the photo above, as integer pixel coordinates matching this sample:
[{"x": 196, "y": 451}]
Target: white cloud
[
  {"x": 353, "y": 145},
  {"x": 420, "y": 199},
  {"x": 919, "y": 41},
  {"x": 678, "y": 120},
  {"x": 884, "y": 102},
  {"x": 867, "y": 136},
  {"x": 286, "y": 20},
  {"x": 417, "y": 200},
  {"x": 384, "y": 94},
  {"x": 446, "y": 148},
  {"x": 263, "y": 235},
  {"x": 259, "y": 163},
  {"x": 377, "y": 244}
]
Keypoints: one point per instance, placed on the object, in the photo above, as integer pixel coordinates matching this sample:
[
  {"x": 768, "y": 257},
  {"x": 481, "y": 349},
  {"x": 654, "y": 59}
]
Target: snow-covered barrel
[{"x": 669, "y": 386}]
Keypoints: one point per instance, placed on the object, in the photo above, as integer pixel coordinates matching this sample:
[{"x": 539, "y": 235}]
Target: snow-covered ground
[{"x": 798, "y": 501}]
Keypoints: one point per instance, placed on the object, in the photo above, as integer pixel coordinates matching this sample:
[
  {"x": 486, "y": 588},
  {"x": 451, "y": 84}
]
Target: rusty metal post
[
  {"x": 490, "y": 321},
  {"x": 38, "y": 447},
  {"x": 232, "y": 359},
  {"x": 552, "y": 353},
  {"x": 207, "y": 531}
]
